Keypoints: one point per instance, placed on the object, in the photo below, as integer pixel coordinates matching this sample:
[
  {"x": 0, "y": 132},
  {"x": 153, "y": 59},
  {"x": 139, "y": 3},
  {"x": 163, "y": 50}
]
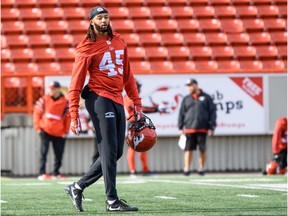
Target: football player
[{"x": 103, "y": 53}]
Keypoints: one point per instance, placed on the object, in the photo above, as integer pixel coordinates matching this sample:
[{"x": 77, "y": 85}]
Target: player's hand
[
  {"x": 138, "y": 112},
  {"x": 181, "y": 132},
  {"x": 75, "y": 126},
  {"x": 210, "y": 132}
]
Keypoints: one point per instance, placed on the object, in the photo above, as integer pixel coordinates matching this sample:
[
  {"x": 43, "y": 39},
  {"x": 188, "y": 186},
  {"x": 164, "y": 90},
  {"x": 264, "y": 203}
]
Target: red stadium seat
[
  {"x": 162, "y": 67},
  {"x": 122, "y": 25},
  {"x": 206, "y": 66},
  {"x": 261, "y": 2},
  {"x": 23, "y": 55},
  {"x": 197, "y": 2},
  {"x": 41, "y": 40},
  {"x": 260, "y": 38},
  {"x": 78, "y": 26},
  {"x": 65, "y": 54},
  {"x": 279, "y": 37},
  {"x": 178, "y": 53},
  {"x": 139, "y": 12},
  {"x": 268, "y": 11},
  {"x": 30, "y": 13},
  {"x": 210, "y": 25},
  {"x": 11, "y": 14},
  {"x": 155, "y": 2},
  {"x": 156, "y": 53},
  {"x": 5, "y": 55},
  {"x": 267, "y": 52},
  {"x": 3, "y": 42},
  {"x": 188, "y": 25},
  {"x": 240, "y": 2},
  {"x": 194, "y": 38},
  {"x": 203, "y": 52},
  {"x": 7, "y": 67},
  {"x": 35, "y": 27},
  {"x": 118, "y": 13},
  {"x": 52, "y": 13},
  {"x": 136, "y": 53},
  {"x": 232, "y": 25},
  {"x": 26, "y": 67},
  {"x": 17, "y": 41},
  {"x": 223, "y": 52},
  {"x": 171, "y": 39},
  {"x": 7, "y": 3},
  {"x": 216, "y": 38},
  {"x": 239, "y": 38},
  {"x": 280, "y": 2},
  {"x": 61, "y": 40},
  {"x": 111, "y": 3},
  {"x": 132, "y": 39},
  {"x": 25, "y": 3},
  {"x": 246, "y": 11},
  {"x": 68, "y": 3},
  {"x": 220, "y": 2},
  {"x": 148, "y": 39},
  {"x": 89, "y": 3},
  {"x": 148, "y": 25},
  {"x": 47, "y": 3},
  {"x": 184, "y": 66},
  {"x": 275, "y": 24},
  {"x": 133, "y": 3},
  {"x": 49, "y": 67},
  {"x": 176, "y": 2},
  {"x": 163, "y": 12},
  {"x": 253, "y": 24},
  {"x": 74, "y": 13},
  {"x": 165, "y": 25},
  {"x": 273, "y": 65},
  {"x": 225, "y": 11},
  {"x": 204, "y": 12},
  {"x": 244, "y": 52},
  {"x": 12, "y": 27},
  {"x": 66, "y": 67},
  {"x": 282, "y": 50},
  {"x": 283, "y": 10},
  {"x": 56, "y": 27},
  {"x": 229, "y": 66},
  {"x": 182, "y": 12},
  {"x": 77, "y": 38},
  {"x": 251, "y": 65},
  {"x": 44, "y": 54},
  {"x": 140, "y": 67}
]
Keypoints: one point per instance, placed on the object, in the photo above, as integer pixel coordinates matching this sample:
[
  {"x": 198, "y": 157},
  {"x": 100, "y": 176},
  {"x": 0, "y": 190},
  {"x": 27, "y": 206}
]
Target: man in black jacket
[{"x": 197, "y": 118}]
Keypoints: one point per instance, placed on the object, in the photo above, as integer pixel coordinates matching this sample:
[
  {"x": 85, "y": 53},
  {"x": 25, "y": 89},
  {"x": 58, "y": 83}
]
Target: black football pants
[
  {"x": 108, "y": 119},
  {"x": 58, "y": 144}
]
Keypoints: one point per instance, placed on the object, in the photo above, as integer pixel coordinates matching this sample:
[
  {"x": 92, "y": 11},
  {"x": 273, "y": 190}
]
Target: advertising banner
[{"x": 239, "y": 101}]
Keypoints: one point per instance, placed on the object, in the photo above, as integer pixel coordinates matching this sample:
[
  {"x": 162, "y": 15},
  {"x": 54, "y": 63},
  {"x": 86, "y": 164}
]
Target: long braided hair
[{"x": 92, "y": 35}]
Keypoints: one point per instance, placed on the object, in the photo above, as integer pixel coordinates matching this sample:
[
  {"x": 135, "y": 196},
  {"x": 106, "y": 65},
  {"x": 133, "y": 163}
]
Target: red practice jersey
[
  {"x": 108, "y": 64},
  {"x": 279, "y": 139}
]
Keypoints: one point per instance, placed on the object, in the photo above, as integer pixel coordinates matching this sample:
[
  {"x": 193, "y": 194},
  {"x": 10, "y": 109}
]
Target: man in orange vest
[{"x": 52, "y": 122}]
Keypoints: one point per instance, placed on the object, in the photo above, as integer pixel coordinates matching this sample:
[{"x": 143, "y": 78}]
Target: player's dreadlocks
[{"x": 92, "y": 35}]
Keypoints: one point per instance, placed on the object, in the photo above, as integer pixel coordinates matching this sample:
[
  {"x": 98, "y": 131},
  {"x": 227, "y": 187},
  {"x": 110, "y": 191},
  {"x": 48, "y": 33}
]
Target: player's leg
[
  {"x": 45, "y": 140},
  {"x": 282, "y": 161},
  {"x": 144, "y": 160},
  {"x": 201, "y": 139},
  {"x": 58, "y": 147},
  {"x": 131, "y": 160},
  {"x": 188, "y": 152},
  {"x": 96, "y": 151}
]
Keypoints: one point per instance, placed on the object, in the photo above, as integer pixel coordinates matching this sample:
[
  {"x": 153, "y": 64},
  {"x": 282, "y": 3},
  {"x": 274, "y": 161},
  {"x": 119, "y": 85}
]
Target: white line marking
[
  {"x": 3, "y": 201},
  {"x": 236, "y": 180},
  {"x": 247, "y": 195},
  {"x": 29, "y": 184},
  {"x": 277, "y": 186},
  {"x": 87, "y": 200},
  {"x": 165, "y": 197}
]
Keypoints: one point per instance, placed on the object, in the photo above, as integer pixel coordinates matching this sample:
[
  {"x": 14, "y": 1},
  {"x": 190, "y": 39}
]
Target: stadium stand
[{"x": 163, "y": 36}]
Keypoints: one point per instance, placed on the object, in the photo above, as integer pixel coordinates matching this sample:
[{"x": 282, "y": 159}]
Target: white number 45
[{"x": 107, "y": 64}]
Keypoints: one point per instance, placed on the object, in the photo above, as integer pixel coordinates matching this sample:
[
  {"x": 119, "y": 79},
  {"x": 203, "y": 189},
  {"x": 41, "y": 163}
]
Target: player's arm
[
  {"x": 80, "y": 68},
  {"x": 181, "y": 115},
  {"x": 276, "y": 138},
  {"x": 67, "y": 119},
  {"x": 149, "y": 109},
  {"x": 212, "y": 114},
  {"x": 38, "y": 113}
]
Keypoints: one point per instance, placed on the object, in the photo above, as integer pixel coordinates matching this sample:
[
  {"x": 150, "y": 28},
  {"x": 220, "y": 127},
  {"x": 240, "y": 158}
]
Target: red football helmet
[
  {"x": 273, "y": 168},
  {"x": 141, "y": 134}
]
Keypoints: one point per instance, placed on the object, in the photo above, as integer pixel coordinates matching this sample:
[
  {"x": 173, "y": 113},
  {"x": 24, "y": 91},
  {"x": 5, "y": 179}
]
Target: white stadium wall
[{"x": 248, "y": 106}]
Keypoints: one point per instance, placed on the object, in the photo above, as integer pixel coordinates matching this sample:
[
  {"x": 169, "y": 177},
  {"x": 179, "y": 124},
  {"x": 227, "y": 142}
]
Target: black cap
[
  {"x": 191, "y": 82},
  {"x": 96, "y": 11},
  {"x": 54, "y": 84}
]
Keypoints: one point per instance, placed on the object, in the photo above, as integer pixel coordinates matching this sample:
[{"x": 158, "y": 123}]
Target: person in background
[
  {"x": 52, "y": 122},
  {"x": 279, "y": 149},
  {"x": 197, "y": 118},
  {"x": 129, "y": 106}
]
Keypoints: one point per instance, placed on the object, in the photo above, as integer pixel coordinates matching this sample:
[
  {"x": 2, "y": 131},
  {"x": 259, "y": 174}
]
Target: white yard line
[
  {"x": 3, "y": 201},
  {"x": 165, "y": 197},
  {"x": 247, "y": 195}
]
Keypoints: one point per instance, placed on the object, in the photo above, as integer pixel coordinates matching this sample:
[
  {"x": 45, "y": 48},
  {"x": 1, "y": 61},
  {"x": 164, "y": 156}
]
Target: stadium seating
[
  {"x": 10, "y": 14},
  {"x": 139, "y": 12},
  {"x": 60, "y": 40},
  {"x": 148, "y": 39},
  {"x": 39, "y": 40},
  {"x": 172, "y": 39},
  {"x": 132, "y": 39},
  {"x": 184, "y": 66},
  {"x": 136, "y": 53},
  {"x": 140, "y": 67},
  {"x": 17, "y": 41},
  {"x": 162, "y": 67},
  {"x": 192, "y": 38},
  {"x": 182, "y": 12}
]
